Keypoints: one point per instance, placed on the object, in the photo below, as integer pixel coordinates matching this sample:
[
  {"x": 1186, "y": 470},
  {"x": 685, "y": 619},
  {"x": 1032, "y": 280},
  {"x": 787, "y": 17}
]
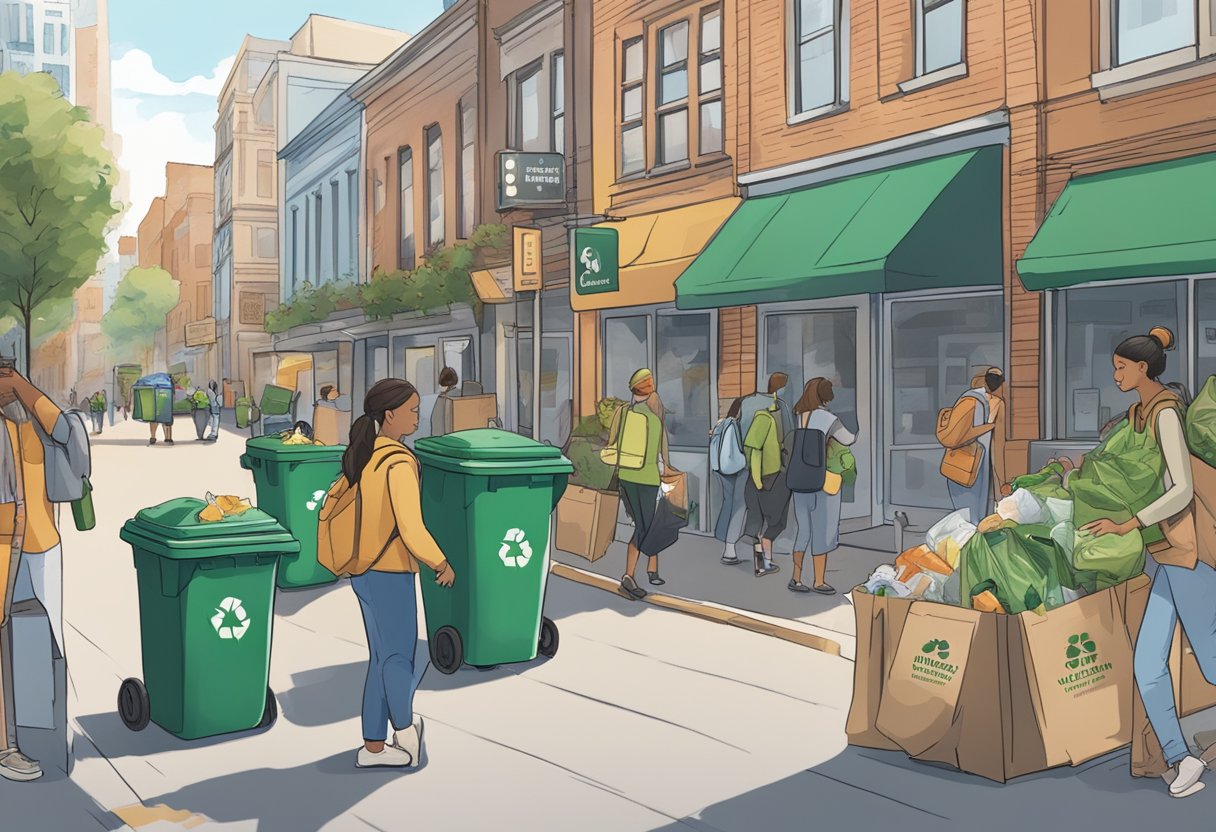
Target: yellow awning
[
  {"x": 494, "y": 285},
  {"x": 655, "y": 249},
  {"x": 289, "y": 368}
]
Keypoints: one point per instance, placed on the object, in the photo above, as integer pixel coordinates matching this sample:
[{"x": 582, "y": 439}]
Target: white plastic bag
[
  {"x": 884, "y": 577},
  {"x": 1066, "y": 536},
  {"x": 1060, "y": 510},
  {"x": 1021, "y": 507},
  {"x": 955, "y": 526}
]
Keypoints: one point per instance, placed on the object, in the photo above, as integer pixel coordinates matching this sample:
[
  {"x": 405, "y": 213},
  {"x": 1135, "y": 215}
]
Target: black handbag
[
  {"x": 808, "y": 463},
  {"x": 664, "y": 530}
]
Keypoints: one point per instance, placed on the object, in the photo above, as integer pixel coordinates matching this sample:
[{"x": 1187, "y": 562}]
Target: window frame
[
  {"x": 628, "y": 85},
  {"x": 795, "y": 43},
  {"x": 557, "y": 113},
  {"x": 921, "y": 10},
  {"x": 436, "y": 230},
  {"x": 1153, "y": 71},
  {"x": 466, "y": 170},
  {"x": 716, "y": 96},
  {"x": 405, "y": 156},
  {"x": 521, "y": 76},
  {"x": 663, "y": 109}
]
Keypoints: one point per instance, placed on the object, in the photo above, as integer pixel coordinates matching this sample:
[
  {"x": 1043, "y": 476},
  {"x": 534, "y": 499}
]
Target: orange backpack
[{"x": 340, "y": 547}]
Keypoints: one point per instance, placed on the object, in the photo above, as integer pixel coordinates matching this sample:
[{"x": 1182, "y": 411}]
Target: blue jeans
[
  {"x": 1177, "y": 593},
  {"x": 213, "y": 424},
  {"x": 729, "y": 526},
  {"x": 390, "y": 616},
  {"x": 976, "y": 499}
]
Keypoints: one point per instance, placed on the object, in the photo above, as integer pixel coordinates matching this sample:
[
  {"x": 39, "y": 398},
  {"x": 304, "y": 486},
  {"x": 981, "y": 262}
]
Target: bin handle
[
  {"x": 247, "y": 462},
  {"x": 272, "y": 475}
]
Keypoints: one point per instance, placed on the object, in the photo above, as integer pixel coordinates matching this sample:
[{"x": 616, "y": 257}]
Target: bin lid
[
  {"x": 172, "y": 529},
  {"x": 272, "y": 448},
  {"x": 487, "y": 451}
]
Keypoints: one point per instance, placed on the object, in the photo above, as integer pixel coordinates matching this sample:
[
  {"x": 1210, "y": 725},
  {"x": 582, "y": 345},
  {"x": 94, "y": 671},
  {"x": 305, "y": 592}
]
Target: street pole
[{"x": 536, "y": 347}]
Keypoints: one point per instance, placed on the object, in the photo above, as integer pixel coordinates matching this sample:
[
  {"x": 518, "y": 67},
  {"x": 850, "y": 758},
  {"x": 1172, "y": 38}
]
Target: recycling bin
[
  {"x": 487, "y": 498},
  {"x": 291, "y": 482},
  {"x": 153, "y": 404},
  {"x": 206, "y": 610},
  {"x": 245, "y": 412}
]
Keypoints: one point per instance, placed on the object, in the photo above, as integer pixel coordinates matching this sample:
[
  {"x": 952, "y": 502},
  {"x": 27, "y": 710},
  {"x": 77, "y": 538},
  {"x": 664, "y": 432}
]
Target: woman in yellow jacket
[{"x": 387, "y": 475}]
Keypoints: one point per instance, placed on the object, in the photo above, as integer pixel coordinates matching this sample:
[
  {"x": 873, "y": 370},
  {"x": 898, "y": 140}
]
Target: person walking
[
  {"x": 72, "y": 398},
  {"x": 97, "y": 411},
  {"x": 729, "y": 464},
  {"x": 758, "y": 401},
  {"x": 639, "y": 487},
  {"x": 387, "y": 475},
  {"x": 1184, "y": 583},
  {"x": 440, "y": 414},
  {"x": 214, "y": 410},
  {"x": 817, "y": 513},
  {"x": 766, "y": 495},
  {"x": 973, "y": 432}
]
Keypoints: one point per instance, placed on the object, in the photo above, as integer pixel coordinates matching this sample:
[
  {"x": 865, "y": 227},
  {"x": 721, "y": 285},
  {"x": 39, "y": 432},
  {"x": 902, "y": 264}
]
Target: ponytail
[{"x": 384, "y": 396}]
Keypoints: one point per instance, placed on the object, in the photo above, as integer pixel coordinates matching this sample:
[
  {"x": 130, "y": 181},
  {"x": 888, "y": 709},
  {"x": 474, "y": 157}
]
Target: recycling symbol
[
  {"x": 230, "y": 619},
  {"x": 940, "y": 645},
  {"x": 317, "y": 497},
  {"x": 1078, "y": 645},
  {"x": 516, "y": 550}
]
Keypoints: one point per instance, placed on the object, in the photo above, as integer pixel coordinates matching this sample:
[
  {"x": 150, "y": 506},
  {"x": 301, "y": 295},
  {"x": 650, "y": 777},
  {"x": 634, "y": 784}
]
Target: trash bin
[
  {"x": 291, "y": 481},
  {"x": 246, "y": 413},
  {"x": 153, "y": 404},
  {"x": 206, "y": 610},
  {"x": 487, "y": 496}
]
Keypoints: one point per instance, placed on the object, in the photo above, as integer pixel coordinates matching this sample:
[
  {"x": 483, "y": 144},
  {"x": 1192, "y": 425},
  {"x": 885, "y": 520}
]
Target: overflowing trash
[
  {"x": 299, "y": 434},
  {"x": 222, "y": 507}
]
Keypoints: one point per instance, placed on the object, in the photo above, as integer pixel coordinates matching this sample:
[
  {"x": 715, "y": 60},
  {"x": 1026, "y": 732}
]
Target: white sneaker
[
  {"x": 1189, "y": 772},
  {"x": 17, "y": 767},
  {"x": 411, "y": 741},
  {"x": 390, "y": 757}
]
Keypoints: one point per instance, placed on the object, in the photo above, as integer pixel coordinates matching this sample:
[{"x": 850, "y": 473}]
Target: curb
[{"x": 698, "y": 610}]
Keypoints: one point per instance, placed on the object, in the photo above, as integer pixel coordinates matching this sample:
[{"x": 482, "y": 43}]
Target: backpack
[
  {"x": 964, "y": 454},
  {"x": 808, "y": 463},
  {"x": 952, "y": 423},
  {"x": 628, "y": 447},
  {"x": 68, "y": 463},
  {"x": 340, "y": 546},
  {"x": 726, "y": 448}
]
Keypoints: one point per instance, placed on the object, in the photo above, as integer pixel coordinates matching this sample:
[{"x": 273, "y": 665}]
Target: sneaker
[
  {"x": 631, "y": 589},
  {"x": 1189, "y": 772},
  {"x": 797, "y": 586},
  {"x": 411, "y": 741},
  {"x": 389, "y": 757},
  {"x": 17, "y": 767},
  {"x": 731, "y": 561},
  {"x": 767, "y": 568},
  {"x": 152, "y": 441}
]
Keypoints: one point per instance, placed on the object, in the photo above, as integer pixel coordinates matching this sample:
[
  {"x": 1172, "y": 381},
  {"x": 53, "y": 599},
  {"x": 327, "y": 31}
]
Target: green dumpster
[
  {"x": 206, "y": 609},
  {"x": 245, "y": 412},
  {"x": 276, "y": 401},
  {"x": 153, "y": 404},
  {"x": 487, "y": 496},
  {"x": 291, "y": 482}
]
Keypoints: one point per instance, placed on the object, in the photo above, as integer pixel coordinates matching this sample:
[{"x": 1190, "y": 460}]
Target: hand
[
  {"x": 446, "y": 575},
  {"x": 1101, "y": 527},
  {"x": 1006, "y": 490}
]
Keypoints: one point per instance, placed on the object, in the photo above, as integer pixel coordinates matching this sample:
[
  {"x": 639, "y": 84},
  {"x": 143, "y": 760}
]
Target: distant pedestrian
[
  {"x": 973, "y": 433},
  {"x": 214, "y": 409},
  {"x": 440, "y": 422},
  {"x": 97, "y": 411},
  {"x": 766, "y": 495},
  {"x": 729, "y": 464},
  {"x": 72, "y": 398}
]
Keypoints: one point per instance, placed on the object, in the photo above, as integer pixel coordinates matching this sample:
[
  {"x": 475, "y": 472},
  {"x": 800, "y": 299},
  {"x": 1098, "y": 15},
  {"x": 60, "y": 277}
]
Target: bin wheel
[
  {"x": 447, "y": 651},
  {"x": 133, "y": 706},
  {"x": 271, "y": 713},
  {"x": 548, "y": 638}
]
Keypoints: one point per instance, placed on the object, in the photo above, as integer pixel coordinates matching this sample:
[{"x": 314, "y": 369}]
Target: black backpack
[{"x": 808, "y": 463}]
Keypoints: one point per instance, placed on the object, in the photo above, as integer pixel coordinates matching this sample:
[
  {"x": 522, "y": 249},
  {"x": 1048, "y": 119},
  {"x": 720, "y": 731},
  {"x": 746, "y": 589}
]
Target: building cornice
[{"x": 431, "y": 42}]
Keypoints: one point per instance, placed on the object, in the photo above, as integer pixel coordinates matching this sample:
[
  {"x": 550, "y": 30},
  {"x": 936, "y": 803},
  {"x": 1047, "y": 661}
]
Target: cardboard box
[
  {"x": 586, "y": 521},
  {"x": 330, "y": 425},
  {"x": 995, "y": 695},
  {"x": 471, "y": 412}
]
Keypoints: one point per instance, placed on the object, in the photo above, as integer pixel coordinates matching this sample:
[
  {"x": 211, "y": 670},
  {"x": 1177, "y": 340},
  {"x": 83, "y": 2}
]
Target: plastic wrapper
[
  {"x": 1022, "y": 507},
  {"x": 954, "y": 527}
]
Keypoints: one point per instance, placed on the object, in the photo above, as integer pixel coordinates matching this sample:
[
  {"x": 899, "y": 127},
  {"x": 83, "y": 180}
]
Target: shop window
[
  {"x": 633, "y": 146},
  {"x": 710, "y": 83},
  {"x": 671, "y": 106},
  {"x": 557, "y": 102},
  {"x": 405, "y": 209},
  {"x": 818, "y": 75},
  {"x": 1144, "y": 28},
  {"x": 939, "y": 34},
  {"x": 267, "y": 243},
  {"x": 458, "y": 354},
  {"x": 626, "y": 350},
  {"x": 682, "y": 369},
  {"x": 528, "y": 134},
  {"x": 468, "y": 167},
  {"x": 376, "y": 361},
  {"x": 1089, "y": 324},
  {"x": 1205, "y": 333},
  {"x": 434, "y": 186}
]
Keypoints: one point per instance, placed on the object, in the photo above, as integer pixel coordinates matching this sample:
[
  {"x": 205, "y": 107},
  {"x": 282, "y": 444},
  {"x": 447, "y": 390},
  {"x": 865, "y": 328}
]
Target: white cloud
[{"x": 134, "y": 72}]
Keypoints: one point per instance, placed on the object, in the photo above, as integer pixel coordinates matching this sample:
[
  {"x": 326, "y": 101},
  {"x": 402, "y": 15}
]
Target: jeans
[
  {"x": 390, "y": 617},
  {"x": 213, "y": 425},
  {"x": 1177, "y": 593},
  {"x": 976, "y": 499},
  {"x": 729, "y": 526},
  {"x": 818, "y": 517}
]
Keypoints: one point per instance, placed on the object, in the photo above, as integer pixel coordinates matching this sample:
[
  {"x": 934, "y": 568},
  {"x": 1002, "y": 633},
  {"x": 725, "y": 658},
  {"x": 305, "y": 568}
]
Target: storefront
[
  {"x": 887, "y": 282},
  {"x": 624, "y": 273},
  {"x": 1120, "y": 253}
]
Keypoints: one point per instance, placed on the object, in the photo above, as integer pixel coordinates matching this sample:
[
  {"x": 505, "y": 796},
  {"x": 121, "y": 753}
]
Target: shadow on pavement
[
  {"x": 292, "y": 601},
  {"x": 324, "y": 696},
  {"x": 53, "y": 802},
  {"x": 108, "y": 733}
]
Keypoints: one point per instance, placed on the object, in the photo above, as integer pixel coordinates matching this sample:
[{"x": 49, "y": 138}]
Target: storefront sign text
[{"x": 593, "y": 261}]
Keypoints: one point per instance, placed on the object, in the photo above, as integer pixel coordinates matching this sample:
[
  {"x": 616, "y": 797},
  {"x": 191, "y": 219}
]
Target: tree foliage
[
  {"x": 56, "y": 183},
  {"x": 143, "y": 301}
]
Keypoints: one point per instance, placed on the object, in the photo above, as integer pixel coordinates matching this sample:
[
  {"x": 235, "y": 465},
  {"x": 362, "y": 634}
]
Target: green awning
[
  {"x": 925, "y": 225},
  {"x": 1148, "y": 221}
]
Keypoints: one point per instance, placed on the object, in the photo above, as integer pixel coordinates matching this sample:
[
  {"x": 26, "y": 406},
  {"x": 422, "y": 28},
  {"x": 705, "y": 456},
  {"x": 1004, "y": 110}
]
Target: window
[
  {"x": 294, "y": 242},
  {"x": 64, "y": 41},
  {"x": 468, "y": 168},
  {"x": 307, "y": 236},
  {"x": 939, "y": 34},
  {"x": 318, "y": 235},
  {"x": 434, "y": 186},
  {"x": 48, "y": 38},
  {"x": 266, "y": 174},
  {"x": 352, "y": 210},
  {"x": 1144, "y": 28},
  {"x": 557, "y": 101},
  {"x": 62, "y": 75},
  {"x": 1205, "y": 336},
  {"x": 633, "y": 151},
  {"x": 406, "y": 208},
  {"x": 267, "y": 243},
  {"x": 672, "y": 94},
  {"x": 817, "y": 65},
  {"x": 29, "y": 26},
  {"x": 529, "y": 135},
  {"x": 335, "y": 229},
  {"x": 709, "y": 86},
  {"x": 202, "y": 300}
]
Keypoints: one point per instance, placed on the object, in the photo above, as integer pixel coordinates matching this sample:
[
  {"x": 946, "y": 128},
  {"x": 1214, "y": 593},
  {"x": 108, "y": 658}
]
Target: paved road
[{"x": 645, "y": 720}]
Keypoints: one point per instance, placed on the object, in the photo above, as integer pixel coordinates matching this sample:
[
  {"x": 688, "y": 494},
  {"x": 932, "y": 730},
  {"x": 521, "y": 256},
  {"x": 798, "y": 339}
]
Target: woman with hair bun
[{"x": 1183, "y": 585}]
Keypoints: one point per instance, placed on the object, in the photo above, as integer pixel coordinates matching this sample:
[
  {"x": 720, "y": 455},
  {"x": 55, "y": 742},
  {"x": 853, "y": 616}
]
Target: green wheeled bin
[
  {"x": 291, "y": 483},
  {"x": 487, "y": 498},
  {"x": 206, "y": 611}
]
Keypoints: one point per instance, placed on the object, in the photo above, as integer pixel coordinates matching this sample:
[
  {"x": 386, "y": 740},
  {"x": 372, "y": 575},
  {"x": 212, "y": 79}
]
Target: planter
[
  {"x": 201, "y": 418},
  {"x": 586, "y": 521}
]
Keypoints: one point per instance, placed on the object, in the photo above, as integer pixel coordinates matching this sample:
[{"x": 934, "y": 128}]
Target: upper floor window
[
  {"x": 633, "y": 145},
  {"x": 818, "y": 71},
  {"x": 710, "y": 87},
  {"x": 405, "y": 162},
  {"x": 939, "y": 34},
  {"x": 529, "y": 135},
  {"x": 48, "y": 38},
  {"x": 557, "y": 101},
  {"x": 671, "y": 110},
  {"x": 434, "y": 186},
  {"x": 468, "y": 167},
  {"x": 1147, "y": 28}
]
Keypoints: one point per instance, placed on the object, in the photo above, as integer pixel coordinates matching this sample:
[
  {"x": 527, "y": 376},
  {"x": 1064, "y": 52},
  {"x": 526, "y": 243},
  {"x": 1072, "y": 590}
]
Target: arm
[
  {"x": 843, "y": 435},
  {"x": 42, "y": 408},
  {"x": 1172, "y": 439},
  {"x": 965, "y": 432},
  {"x": 405, "y": 496},
  {"x": 998, "y": 443},
  {"x": 753, "y": 445}
]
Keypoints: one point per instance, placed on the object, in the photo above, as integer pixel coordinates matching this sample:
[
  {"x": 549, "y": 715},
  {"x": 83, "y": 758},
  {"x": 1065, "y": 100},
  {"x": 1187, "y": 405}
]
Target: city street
[{"x": 646, "y": 719}]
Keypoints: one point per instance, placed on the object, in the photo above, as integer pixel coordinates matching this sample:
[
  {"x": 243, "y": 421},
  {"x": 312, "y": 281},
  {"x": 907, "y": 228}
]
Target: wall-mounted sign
[
  {"x": 593, "y": 260},
  {"x": 252, "y": 309},
  {"x": 527, "y": 251},
  {"x": 200, "y": 333},
  {"x": 526, "y": 179}
]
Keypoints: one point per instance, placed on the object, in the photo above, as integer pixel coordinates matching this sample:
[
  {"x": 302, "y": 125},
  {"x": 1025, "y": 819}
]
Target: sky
[{"x": 169, "y": 61}]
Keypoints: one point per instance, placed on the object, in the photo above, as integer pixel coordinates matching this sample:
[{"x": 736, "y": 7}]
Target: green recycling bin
[
  {"x": 291, "y": 482},
  {"x": 153, "y": 404},
  {"x": 206, "y": 611},
  {"x": 487, "y": 498}
]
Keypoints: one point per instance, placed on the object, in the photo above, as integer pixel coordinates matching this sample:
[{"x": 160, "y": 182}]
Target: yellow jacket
[
  {"x": 41, "y": 533},
  {"x": 392, "y": 497}
]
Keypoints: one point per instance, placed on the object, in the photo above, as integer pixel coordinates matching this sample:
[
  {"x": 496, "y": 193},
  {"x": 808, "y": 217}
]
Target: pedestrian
[
  {"x": 729, "y": 464},
  {"x": 72, "y": 398},
  {"x": 973, "y": 433},
  {"x": 214, "y": 409},
  {"x": 817, "y": 513},
  {"x": 386, "y": 473},
  {"x": 35, "y": 554},
  {"x": 97, "y": 411},
  {"x": 639, "y": 424},
  {"x": 758, "y": 401},
  {"x": 1183, "y": 585},
  {"x": 163, "y": 417},
  {"x": 765, "y": 494},
  {"x": 440, "y": 415}
]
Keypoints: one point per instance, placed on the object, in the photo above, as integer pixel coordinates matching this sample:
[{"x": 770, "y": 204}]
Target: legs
[
  {"x": 213, "y": 426},
  {"x": 640, "y": 506},
  {"x": 41, "y": 575},
  {"x": 1151, "y": 666},
  {"x": 803, "y": 506},
  {"x": 390, "y": 617}
]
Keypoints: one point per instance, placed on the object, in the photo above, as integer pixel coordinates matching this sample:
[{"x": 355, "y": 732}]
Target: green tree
[
  {"x": 143, "y": 300},
  {"x": 56, "y": 182}
]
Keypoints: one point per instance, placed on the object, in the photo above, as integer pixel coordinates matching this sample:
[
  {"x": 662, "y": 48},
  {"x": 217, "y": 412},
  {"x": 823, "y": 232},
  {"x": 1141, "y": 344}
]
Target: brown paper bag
[
  {"x": 586, "y": 521},
  {"x": 879, "y": 620},
  {"x": 678, "y": 496},
  {"x": 1079, "y": 660}
]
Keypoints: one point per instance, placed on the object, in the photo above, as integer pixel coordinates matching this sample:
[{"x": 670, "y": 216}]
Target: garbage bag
[
  {"x": 1201, "y": 423},
  {"x": 841, "y": 461},
  {"x": 1023, "y": 564},
  {"x": 1022, "y": 507},
  {"x": 664, "y": 529},
  {"x": 155, "y": 380},
  {"x": 957, "y": 527},
  {"x": 1107, "y": 560},
  {"x": 1048, "y": 483}
]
